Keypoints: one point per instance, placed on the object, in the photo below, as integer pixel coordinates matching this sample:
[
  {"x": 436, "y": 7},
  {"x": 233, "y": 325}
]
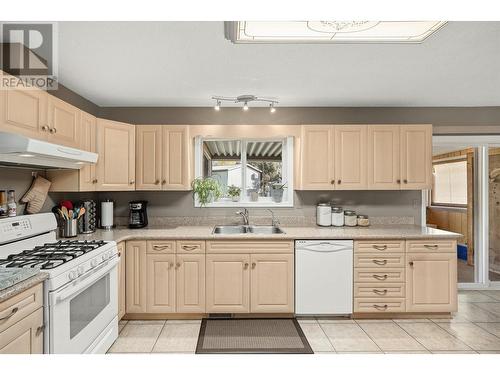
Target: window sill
[{"x": 258, "y": 204}]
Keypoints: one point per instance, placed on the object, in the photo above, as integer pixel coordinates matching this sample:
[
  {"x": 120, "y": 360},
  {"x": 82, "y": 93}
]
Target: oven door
[{"x": 80, "y": 311}]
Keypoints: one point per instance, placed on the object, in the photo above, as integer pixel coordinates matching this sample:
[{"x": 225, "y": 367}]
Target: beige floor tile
[
  {"x": 147, "y": 322},
  {"x": 489, "y": 351},
  {"x": 390, "y": 337},
  {"x": 121, "y": 324},
  {"x": 349, "y": 338},
  {"x": 473, "y": 313},
  {"x": 492, "y": 307},
  {"x": 183, "y": 321},
  {"x": 360, "y": 321},
  {"x": 474, "y": 336},
  {"x": 473, "y": 296},
  {"x": 316, "y": 338},
  {"x": 336, "y": 321},
  {"x": 495, "y": 294},
  {"x": 453, "y": 352},
  {"x": 407, "y": 352},
  {"x": 411, "y": 320},
  {"x": 433, "y": 337},
  {"x": 136, "y": 338},
  {"x": 493, "y": 328},
  {"x": 176, "y": 338},
  {"x": 307, "y": 320}
]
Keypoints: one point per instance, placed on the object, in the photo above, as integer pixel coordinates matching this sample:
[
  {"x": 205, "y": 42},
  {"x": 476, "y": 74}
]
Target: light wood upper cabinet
[
  {"x": 431, "y": 282},
  {"x": 350, "y": 157},
  {"x": 64, "y": 122},
  {"x": 272, "y": 283},
  {"x": 135, "y": 279},
  {"x": 228, "y": 283},
  {"x": 316, "y": 162},
  {"x": 416, "y": 157},
  {"x": 121, "y": 280},
  {"x": 175, "y": 158},
  {"x": 116, "y": 149},
  {"x": 190, "y": 283},
  {"x": 88, "y": 177},
  {"x": 148, "y": 157},
  {"x": 24, "y": 111},
  {"x": 384, "y": 157},
  {"x": 160, "y": 283}
]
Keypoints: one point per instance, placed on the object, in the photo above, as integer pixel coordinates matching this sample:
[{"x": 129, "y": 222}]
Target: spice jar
[
  {"x": 11, "y": 203},
  {"x": 363, "y": 220},
  {"x": 350, "y": 218},
  {"x": 337, "y": 217},
  {"x": 3, "y": 203}
]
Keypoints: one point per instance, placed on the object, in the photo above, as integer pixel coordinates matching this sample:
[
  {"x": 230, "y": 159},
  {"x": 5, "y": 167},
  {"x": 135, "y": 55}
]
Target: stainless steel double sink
[{"x": 247, "y": 229}]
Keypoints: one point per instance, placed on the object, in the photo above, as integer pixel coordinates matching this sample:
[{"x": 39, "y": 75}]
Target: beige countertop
[
  {"x": 21, "y": 286},
  {"x": 291, "y": 233}
]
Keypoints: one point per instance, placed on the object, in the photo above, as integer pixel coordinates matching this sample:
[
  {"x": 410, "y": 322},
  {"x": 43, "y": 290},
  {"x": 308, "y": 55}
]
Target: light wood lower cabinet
[
  {"x": 228, "y": 283},
  {"x": 121, "y": 280},
  {"x": 136, "y": 282},
  {"x": 160, "y": 283},
  {"x": 190, "y": 283}
]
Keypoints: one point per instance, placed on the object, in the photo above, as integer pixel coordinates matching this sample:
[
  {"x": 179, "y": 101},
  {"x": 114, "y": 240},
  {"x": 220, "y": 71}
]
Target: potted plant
[
  {"x": 234, "y": 192},
  {"x": 277, "y": 189},
  {"x": 206, "y": 190}
]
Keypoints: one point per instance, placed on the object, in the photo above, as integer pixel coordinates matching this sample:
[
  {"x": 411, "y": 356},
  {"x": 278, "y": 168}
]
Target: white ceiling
[{"x": 185, "y": 63}]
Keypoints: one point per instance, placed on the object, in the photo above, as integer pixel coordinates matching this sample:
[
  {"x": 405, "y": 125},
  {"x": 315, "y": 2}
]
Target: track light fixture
[{"x": 245, "y": 99}]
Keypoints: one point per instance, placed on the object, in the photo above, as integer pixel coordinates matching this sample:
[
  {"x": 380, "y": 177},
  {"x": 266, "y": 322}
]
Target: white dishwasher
[{"x": 323, "y": 277}]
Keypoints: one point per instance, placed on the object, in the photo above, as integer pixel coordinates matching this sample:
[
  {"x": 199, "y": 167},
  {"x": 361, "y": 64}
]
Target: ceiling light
[
  {"x": 245, "y": 106},
  {"x": 272, "y": 109},
  {"x": 217, "y": 106},
  {"x": 26, "y": 155},
  {"x": 330, "y": 31},
  {"x": 245, "y": 99}
]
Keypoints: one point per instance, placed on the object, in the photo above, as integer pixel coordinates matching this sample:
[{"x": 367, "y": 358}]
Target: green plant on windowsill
[
  {"x": 234, "y": 192},
  {"x": 277, "y": 189},
  {"x": 206, "y": 190}
]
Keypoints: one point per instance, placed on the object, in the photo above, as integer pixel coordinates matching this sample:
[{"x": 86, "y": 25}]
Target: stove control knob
[
  {"x": 93, "y": 263},
  {"x": 73, "y": 275},
  {"x": 105, "y": 257},
  {"x": 80, "y": 270}
]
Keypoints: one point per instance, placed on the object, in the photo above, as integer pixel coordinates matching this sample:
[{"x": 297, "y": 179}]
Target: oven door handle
[{"x": 83, "y": 281}]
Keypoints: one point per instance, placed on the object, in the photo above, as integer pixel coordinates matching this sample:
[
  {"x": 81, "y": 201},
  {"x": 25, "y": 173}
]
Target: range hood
[{"x": 18, "y": 150}]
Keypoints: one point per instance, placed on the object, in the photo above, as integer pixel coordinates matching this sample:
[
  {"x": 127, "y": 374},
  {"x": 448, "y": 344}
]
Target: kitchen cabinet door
[
  {"x": 64, "y": 122},
  {"x": 135, "y": 278},
  {"x": 190, "y": 283},
  {"x": 431, "y": 282},
  {"x": 350, "y": 157},
  {"x": 116, "y": 149},
  {"x": 228, "y": 283},
  {"x": 272, "y": 283},
  {"x": 87, "y": 178},
  {"x": 384, "y": 157},
  {"x": 317, "y": 164},
  {"x": 121, "y": 280},
  {"x": 25, "y": 336},
  {"x": 416, "y": 157},
  {"x": 148, "y": 157},
  {"x": 176, "y": 165},
  {"x": 24, "y": 111},
  {"x": 160, "y": 283}
]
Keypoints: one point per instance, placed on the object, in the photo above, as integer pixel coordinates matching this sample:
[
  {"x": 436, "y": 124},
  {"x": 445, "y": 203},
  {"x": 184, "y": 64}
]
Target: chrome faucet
[
  {"x": 274, "y": 221},
  {"x": 245, "y": 215}
]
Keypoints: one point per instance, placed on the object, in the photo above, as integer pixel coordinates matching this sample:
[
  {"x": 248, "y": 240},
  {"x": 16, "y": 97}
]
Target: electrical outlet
[{"x": 416, "y": 204}]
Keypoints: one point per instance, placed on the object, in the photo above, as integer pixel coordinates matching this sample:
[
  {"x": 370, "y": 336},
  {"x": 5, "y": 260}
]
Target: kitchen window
[
  {"x": 450, "y": 183},
  {"x": 250, "y": 172}
]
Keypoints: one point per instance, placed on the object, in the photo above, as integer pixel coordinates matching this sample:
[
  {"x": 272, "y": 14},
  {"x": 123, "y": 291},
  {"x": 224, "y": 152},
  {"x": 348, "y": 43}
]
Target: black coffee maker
[{"x": 138, "y": 215}]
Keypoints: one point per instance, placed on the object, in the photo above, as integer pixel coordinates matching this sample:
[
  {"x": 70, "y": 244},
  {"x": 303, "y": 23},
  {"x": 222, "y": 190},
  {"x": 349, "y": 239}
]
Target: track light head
[
  {"x": 245, "y": 106},
  {"x": 272, "y": 108},
  {"x": 217, "y": 106}
]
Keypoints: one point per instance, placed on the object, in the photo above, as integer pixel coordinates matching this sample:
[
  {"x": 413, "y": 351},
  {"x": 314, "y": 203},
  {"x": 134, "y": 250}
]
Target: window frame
[
  {"x": 287, "y": 160},
  {"x": 446, "y": 161}
]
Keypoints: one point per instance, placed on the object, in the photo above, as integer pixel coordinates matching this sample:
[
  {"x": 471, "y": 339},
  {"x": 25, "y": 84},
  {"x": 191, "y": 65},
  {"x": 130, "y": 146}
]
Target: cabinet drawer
[
  {"x": 430, "y": 246},
  {"x": 379, "y": 260},
  {"x": 379, "y": 276},
  {"x": 21, "y": 305},
  {"x": 25, "y": 336},
  {"x": 379, "y": 291},
  {"x": 160, "y": 247},
  {"x": 379, "y": 246},
  {"x": 249, "y": 247},
  {"x": 190, "y": 247},
  {"x": 379, "y": 305}
]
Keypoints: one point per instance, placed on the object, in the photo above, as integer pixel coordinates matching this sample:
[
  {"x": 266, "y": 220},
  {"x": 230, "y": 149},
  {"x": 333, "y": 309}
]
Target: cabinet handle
[
  {"x": 159, "y": 247},
  {"x": 332, "y": 182},
  {"x": 380, "y": 292},
  {"x": 245, "y": 266},
  {"x": 405, "y": 181},
  {"x": 94, "y": 181},
  {"x": 45, "y": 128},
  {"x": 170, "y": 265},
  {"x": 433, "y": 247},
  {"x": 189, "y": 248},
  {"x": 177, "y": 265},
  {"x": 339, "y": 182},
  {"x": 164, "y": 182},
  {"x": 378, "y": 277},
  {"x": 11, "y": 314},
  {"x": 380, "y": 262},
  {"x": 398, "y": 181},
  {"x": 254, "y": 264},
  {"x": 52, "y": 130},
  {"x": 380, "y": 307},
  {"x": 157, "y": 182},
  {"x": 131, "y": 182},
  {"x": 380, "y": 247},
  {"x": 39, "y": 330},
  {"x": 411, "y": 264}
]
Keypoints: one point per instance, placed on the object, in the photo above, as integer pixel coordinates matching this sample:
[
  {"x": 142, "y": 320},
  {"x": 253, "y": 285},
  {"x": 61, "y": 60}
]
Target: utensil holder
[{"x": 70, "y": 228}]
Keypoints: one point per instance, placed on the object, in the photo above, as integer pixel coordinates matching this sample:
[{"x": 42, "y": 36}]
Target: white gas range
[{"x": 80, "y": 294}]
